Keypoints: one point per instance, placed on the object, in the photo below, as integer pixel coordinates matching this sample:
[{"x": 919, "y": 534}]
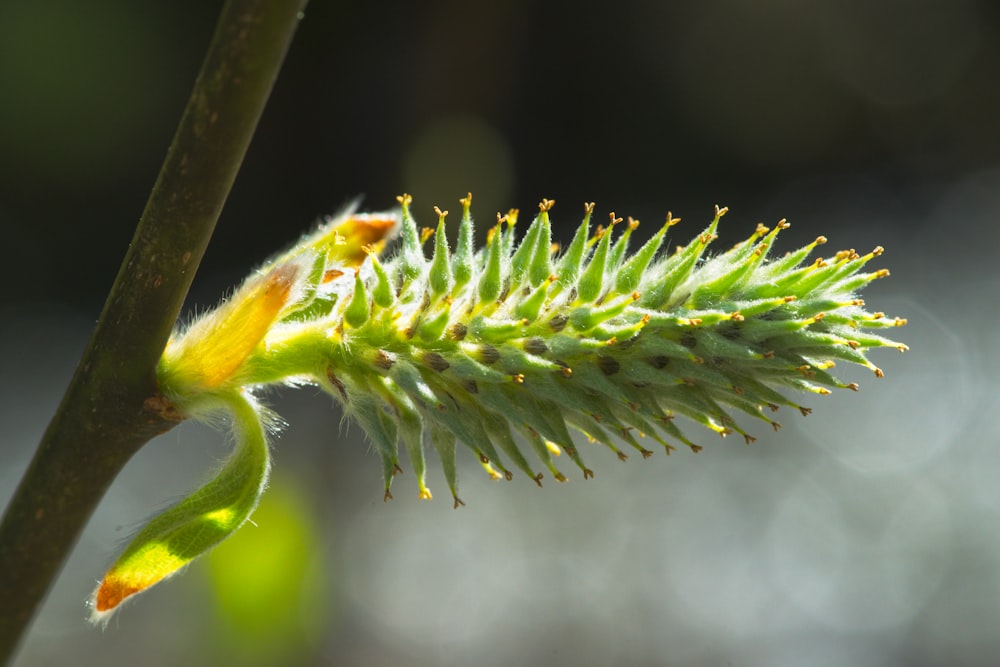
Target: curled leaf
[{"x": 196, "y": 524}]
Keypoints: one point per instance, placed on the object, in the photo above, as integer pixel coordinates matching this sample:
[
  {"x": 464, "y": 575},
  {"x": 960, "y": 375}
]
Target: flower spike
[{"x": 501, "y": 347}]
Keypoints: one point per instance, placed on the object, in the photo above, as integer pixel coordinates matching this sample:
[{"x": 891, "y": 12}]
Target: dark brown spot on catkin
[
  {"x": 729, "y": 330},
  {"x": 332, "y": 377},
  {"x": 488, "y": 354},
  {"x": 436, "y": 362},
  {"x": 608, "y": 365},
  {"x": 689, "y": 341},
  {"x": 384, "y": 360},
  {"x": 658, "y": 362},
  {"x": 457, "y": 331},
  {"x": 535, "y": 346},
  {"x": 558, "y": 323}
]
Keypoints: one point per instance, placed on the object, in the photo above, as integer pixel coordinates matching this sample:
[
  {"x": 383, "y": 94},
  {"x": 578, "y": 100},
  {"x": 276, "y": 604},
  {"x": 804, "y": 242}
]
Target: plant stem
[{"x": 112, "y": 406}]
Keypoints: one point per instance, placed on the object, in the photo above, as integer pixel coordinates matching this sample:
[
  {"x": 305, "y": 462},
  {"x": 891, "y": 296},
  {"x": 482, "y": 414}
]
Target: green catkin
[
  {"x": 506, "y": 345},
  {"x": 642, "y": 339}
]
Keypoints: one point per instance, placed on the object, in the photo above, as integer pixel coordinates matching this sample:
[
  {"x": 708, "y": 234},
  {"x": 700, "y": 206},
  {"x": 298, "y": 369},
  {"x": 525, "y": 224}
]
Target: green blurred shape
[
  {"x": 269, "y": 589},
  {"x": 86, "y": 88}
]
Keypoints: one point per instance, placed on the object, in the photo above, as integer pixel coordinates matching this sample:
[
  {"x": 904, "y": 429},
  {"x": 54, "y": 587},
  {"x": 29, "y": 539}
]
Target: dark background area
[
  {"x": 805, "y": 110},
  {"x": 867, "y": 534}
]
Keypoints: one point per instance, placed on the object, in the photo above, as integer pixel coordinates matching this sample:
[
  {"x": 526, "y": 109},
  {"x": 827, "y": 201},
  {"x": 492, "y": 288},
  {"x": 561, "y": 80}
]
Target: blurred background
[{"x": 866, "y": 534}]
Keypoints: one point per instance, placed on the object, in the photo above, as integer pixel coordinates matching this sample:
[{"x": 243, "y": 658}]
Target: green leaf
[{"x": 199, "y": 522}]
